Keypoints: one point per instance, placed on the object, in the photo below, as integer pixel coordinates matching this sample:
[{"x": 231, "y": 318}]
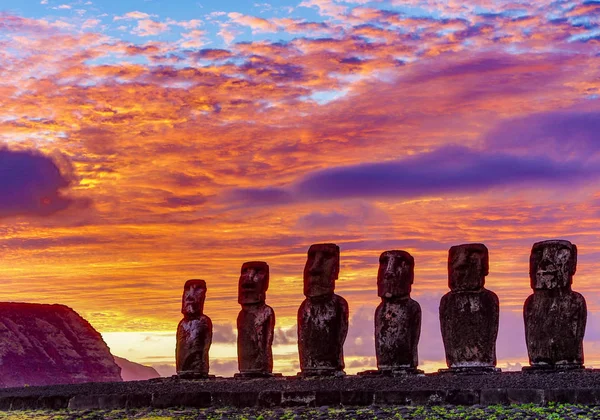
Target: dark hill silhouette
[
  {"x": 131, "y": 371},
  {"x": 51, "y": 344}
]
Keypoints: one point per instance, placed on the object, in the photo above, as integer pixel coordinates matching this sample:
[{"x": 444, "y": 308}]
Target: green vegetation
[{"x": 495, "y": 412}]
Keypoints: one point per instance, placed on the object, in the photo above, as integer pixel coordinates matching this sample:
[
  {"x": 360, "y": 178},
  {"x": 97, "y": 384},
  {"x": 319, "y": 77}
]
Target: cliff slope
[
  {"x": 131, "y": 371},
  {"x": 51, "y": 344}
]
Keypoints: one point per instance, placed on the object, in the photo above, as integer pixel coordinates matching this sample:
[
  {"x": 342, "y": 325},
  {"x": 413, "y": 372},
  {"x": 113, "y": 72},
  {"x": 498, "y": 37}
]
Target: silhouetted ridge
[{"x": 51, "y": 344}]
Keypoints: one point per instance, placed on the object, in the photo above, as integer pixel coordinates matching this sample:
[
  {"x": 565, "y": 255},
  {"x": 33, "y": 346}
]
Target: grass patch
[{"x": 494, "y": 412}]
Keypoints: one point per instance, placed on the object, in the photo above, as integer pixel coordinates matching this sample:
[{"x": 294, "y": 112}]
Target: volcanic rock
[
  {"x": 131, "y": 371},
  {"x": 51, "y": 344}
]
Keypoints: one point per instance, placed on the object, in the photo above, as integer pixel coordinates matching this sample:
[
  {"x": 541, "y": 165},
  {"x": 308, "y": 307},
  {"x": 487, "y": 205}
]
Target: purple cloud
[
  {"x": 558, "y": 134},
  {"x": 447, "y": 170},
  {"x": 31, "y": 184}
]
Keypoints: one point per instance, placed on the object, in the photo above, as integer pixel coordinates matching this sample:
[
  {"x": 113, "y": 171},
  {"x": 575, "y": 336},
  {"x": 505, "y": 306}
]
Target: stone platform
[{"x": 505, "y": 388}]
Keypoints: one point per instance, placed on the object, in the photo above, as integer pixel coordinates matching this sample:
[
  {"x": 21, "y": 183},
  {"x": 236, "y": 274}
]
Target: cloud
[
  {"x": 164, "y": 369},
  {"x": 449, "y": 170},
  {"x": 132, "y": 15},
  {"x": 255, "y": 23},
  {"x": 559, "y": 134},
  {"x": 361, "y": 214},
  {"x": 283, "y": 336},
  {"x": 257, "y": 196},
  {"x": 224, "y": 333},
  {"x": 225, "y": 368},
  {"x": 31, "y": 184},
  {"x": 149, "y": 27}
]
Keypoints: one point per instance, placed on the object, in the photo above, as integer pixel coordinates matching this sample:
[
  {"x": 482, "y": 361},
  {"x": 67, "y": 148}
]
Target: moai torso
[
  {"x": 469, "y": 313},
  {"x": 323, "y": 316},
  {"x": 194, "y": 332},
  {"x": 255, "y": 322},
  {"x": 555, "y": 316},
  {"x": 398, "y": 317}
]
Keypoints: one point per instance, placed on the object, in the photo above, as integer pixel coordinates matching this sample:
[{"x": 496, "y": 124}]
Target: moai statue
[
  {"x": 194, "y": 333},
  {"x": 323, "y": 316},
  {"x": 398, "y": 317},
  {"x": 255, "y": 322},
  {"x": 469, "y": 313},
  {"x": 555, "y": 316}
]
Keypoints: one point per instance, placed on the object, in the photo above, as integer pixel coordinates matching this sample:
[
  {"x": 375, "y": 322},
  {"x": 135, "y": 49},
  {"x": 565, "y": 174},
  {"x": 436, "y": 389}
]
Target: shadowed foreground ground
[{"x": 528, "y": 411}]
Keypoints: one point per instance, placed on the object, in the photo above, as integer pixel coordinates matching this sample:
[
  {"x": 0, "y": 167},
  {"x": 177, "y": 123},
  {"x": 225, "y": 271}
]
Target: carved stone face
[
  {"x": 194, "y": 293},
  {"x": 321, "y": 269},
  {"x": 552, "y": 264},
  {"x": 254, "y": 282},
  {"x": 396, "y": 274},
  {"x": 468, "y": 265}
]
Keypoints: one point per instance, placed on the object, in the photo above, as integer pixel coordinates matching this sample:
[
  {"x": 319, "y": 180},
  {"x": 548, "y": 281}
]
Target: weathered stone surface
[
  {"x": 577, "y": 387},
  {"x": 235, "y": 399},
  {"x": 255, "y": 322},
  {"x": 469, "y": 313},
  {"x": 462, "y": 397},
  {"x": 555, "y": 316},
  {"x": 328, "y": 398},
  {"x": 194, "y": 332},
  {"x": 269, "y": 399},
  {"x": 323, "y": 316},
  {"x": 358, "y": 397},
  {"x": 398, "y": 317},
  {"x": 493, "y": 396},
  {"x": 51, "y": 344},
  {"x": 298, "y": 399},
  {"x": 181, "y": 399},
  {"x": 525, "y": 396},
  {"x": 131, "y": 371}
]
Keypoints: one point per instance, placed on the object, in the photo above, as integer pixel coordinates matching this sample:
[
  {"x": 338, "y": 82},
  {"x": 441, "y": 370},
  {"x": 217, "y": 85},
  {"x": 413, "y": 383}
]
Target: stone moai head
[
  {"x": 321, "y": 270},
  {"x": 468, "y": 264},
  {"x": 396, "y": 274},
  {"x": 552, "y": 264},
  {"x": 254, "y": 282},
  {"x": 192, "y": 303}
]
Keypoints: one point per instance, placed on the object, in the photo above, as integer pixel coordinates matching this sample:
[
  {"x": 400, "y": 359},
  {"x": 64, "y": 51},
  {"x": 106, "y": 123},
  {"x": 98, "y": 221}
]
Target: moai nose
[
  {"x": 315, "y": 267},
  {"x": 389, "y": 269}
]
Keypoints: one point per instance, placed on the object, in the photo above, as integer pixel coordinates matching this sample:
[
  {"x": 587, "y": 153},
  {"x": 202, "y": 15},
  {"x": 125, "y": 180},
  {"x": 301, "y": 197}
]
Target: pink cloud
[
  {"x": 255, "y": 23},
  {"x": 148, "y": 27},
  {"x": 132, "y": 15}
]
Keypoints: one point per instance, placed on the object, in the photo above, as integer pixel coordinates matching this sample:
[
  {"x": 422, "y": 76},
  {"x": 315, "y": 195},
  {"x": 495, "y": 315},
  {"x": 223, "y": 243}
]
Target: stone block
[
  {"x": 5, "y": 403},
  {"x": 588, "y": 396},
  {"x": 84, "y": 402},
  {"x": 269, "y": 399},
  {"x": 361, "y": 398},
  {"x": 54, "y": 402},
  {"x": 112, "y": 401},
  {"x": 563, "y": 396},
  {"x": 427, "y": 397},
  {"x": 181, "y": 399},
  {"x": 392, "y": 398},
  {"x": 139, "y": 400},
  {"x": 462, "y": 397},
  {"x": 493, "y": 396},
  {"x": 298, "y": 399},
  {"x": 235, "y": 399},
  {"x": 525, "y": 396},
  {"x": 24, "y": 403},
  {"x": 328, "y": 398}
]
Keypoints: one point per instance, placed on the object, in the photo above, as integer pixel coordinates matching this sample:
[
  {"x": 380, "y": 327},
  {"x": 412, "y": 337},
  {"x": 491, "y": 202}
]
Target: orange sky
[{"x": 182, "y": 156}]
